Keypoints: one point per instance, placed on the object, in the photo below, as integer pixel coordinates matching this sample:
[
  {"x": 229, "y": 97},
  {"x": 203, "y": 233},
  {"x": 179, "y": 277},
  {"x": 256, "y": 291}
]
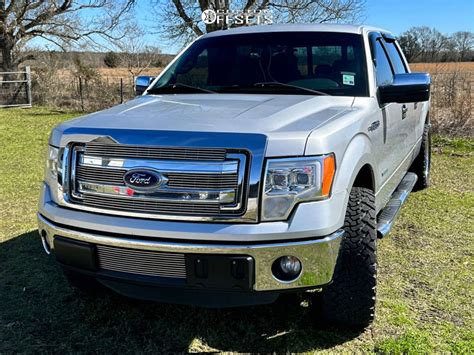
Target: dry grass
[
  {"x": 111, "y": 73},
  {"x": 452, "y": 97},
  {"x": 443, "y": 67},
  {"x": 123, "y": 72}
]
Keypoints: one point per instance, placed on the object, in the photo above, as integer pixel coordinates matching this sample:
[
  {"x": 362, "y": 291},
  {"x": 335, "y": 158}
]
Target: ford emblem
[{"x": 143, "y": 180}]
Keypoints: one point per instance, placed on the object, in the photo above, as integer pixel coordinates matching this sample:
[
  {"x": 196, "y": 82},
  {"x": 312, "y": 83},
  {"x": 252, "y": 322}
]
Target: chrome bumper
[{"x": 318, "y": 256}]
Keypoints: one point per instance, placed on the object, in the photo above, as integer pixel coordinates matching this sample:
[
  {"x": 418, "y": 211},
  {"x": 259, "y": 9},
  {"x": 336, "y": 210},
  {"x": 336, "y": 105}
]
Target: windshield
[{"x": 309, "y": 63}]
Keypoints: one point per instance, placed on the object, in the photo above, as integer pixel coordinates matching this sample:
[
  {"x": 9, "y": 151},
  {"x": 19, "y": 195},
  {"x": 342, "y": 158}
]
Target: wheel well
[{"x": 365, "y": 178}]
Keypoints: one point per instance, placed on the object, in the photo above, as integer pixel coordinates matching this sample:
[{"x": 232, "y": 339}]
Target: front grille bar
[
  {"x": 175, "y": 180},
  {"x": 141, "y": 152}
]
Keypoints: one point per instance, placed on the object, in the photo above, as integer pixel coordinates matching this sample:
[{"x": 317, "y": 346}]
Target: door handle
[{"x": 404, "y": 111}]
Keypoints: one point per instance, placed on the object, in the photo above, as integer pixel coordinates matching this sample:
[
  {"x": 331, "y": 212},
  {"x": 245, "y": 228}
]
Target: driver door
[{"x": 394, "y": 123}]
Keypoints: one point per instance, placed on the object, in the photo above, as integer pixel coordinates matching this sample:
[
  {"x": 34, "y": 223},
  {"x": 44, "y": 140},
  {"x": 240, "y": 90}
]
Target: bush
[
  {"x": 451, "y": 103},
  {"x": 112, "y": 60}
]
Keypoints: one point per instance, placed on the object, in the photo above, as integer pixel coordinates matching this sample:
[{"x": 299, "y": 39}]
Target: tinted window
[
  {"x": 397, "y": 61},
  {"x": 382, "y": 66},
  {"x": 333, "y": 63}
]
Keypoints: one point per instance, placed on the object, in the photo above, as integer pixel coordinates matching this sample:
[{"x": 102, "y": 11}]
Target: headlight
[
  {"x": 294, "y": 180},
  {"x": 52, "y": 165}
]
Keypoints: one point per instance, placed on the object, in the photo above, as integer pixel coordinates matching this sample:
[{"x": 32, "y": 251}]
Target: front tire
[{"x": 349, "y": 301}]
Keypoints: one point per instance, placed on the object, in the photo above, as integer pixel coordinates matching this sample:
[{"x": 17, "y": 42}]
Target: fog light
[{"x": 287, "y": 268}]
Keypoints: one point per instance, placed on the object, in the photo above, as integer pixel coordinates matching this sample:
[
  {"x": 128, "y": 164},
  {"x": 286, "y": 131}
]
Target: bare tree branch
[
  {"x": 56, "y": 21},
  {"x": 187, "y": 20},
  {"x": 180, "y": 20}
]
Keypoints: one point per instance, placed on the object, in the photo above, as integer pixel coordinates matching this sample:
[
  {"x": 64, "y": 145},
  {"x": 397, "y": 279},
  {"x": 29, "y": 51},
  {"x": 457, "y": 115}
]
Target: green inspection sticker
[{"x": 348, "y": 78}]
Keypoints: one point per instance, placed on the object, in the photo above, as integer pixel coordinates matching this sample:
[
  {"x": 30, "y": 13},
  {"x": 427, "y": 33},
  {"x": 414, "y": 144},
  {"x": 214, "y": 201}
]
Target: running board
[{"x": 389, "y": 213}]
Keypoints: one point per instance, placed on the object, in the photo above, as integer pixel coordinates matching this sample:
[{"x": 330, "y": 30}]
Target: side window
[
  {"x": 396, "y": 58},
  {"x": 383, "y": 69}
]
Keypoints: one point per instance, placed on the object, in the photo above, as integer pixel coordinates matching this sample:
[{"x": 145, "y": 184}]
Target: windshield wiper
[
  {"x": 277, "y": 83},
  {"x": 179, "y": 85}
]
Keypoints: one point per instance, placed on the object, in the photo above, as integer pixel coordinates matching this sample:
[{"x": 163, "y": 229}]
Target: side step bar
[{"x": 389, "y": 214}]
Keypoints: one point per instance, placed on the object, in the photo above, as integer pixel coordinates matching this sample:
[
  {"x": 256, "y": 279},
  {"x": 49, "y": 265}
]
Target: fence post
[
  {"x": 80, "y": 94},
  {"x": 121, "y": 90},
  {"x": 28, "y": 85}
]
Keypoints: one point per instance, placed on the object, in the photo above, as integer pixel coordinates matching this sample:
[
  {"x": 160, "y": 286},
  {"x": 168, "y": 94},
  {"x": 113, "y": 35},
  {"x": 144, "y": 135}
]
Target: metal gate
[{"x": 15, "y": 88}]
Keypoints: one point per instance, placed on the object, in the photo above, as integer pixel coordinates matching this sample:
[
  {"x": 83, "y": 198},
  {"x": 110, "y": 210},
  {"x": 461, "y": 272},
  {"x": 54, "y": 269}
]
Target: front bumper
[{"x": 318, "y": 256}]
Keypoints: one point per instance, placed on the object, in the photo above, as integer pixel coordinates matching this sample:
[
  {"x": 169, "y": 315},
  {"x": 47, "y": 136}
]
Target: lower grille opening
[{"x": 142, "y": 262}]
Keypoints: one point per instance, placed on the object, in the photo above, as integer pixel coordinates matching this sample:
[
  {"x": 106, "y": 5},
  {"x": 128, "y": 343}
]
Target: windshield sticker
[{"x": 348, "y": 78}]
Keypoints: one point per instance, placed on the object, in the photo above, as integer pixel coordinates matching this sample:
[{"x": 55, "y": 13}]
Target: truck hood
[{"x": 286, "y": 120}]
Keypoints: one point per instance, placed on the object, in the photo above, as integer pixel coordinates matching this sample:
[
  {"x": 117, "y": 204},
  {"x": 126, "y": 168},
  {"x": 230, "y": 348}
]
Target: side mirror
[
  {"x": 409, "y": 87},
  {"x": 142, "y": 83}
]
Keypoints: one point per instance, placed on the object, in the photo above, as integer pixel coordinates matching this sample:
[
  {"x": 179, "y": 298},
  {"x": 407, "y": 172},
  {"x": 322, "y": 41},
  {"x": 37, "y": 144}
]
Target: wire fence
[
  {"x": 15, "y": 88},
  {"x": 82, "y": 93}
]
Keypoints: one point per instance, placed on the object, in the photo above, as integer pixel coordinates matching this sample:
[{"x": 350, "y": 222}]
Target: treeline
[
  {"x": 67, "y": 60},
  {"x": 425, "y": 44}
]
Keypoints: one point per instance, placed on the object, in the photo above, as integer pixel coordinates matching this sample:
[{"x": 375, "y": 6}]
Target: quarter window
[
  {"x": 382, "y": 66},
  {"x": 396, "y": 58}
]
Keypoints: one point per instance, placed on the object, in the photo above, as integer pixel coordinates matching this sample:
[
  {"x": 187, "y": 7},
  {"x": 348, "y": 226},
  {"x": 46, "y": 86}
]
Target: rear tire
[
  {"x": 349, "y": 301},
  {"x": 422, "y": 164}
]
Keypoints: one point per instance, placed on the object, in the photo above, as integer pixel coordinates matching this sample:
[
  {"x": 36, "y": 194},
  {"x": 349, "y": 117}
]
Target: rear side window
[
  {"x": 383, "y": 69},
  {"x": 396, "y": 58}
]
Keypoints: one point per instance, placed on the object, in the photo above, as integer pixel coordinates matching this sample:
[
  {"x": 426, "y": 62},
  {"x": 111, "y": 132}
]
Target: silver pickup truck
[{"x": 262, "y": 160}]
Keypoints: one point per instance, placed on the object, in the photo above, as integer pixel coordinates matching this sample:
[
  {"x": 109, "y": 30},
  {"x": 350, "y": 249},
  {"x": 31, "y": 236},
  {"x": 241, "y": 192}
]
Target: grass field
[{"x": 425, "y": 294}]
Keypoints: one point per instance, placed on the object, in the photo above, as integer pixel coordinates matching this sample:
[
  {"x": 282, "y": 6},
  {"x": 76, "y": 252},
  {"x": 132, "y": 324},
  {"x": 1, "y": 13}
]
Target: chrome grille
[
  {"x": 142, "y": 262},
  {"x": 108, "y": 176},
  {"x": 175, "y": 153},
  {"x": 175, "y": 180},
  {"x": 187, "y": 189},
  {"x": 202, "y": 181},
  {"x": 150, "y": 206}
]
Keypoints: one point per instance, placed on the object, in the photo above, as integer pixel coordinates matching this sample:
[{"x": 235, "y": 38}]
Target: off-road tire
[
  {"x": 83, "y": 283},
  {"x": 349, "y": 301},
  {"x": 422, "y": 164}
]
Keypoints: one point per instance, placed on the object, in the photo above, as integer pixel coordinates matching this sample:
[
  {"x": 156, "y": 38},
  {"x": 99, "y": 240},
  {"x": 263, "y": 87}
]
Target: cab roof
[{"x": 355, "y": 29}]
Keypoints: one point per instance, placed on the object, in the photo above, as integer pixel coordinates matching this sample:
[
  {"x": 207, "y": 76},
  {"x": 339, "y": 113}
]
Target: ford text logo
[{"x": 143, "y": 180}]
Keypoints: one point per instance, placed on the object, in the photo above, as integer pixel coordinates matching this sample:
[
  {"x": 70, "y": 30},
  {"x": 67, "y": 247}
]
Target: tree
[
  {"x": 135, "y": 54},
  {"x": 410, "y": 45},
  {"x": 180, "y": 20},
  {"x": 57, "y": 21},
  {"x": 423, "y": 44},
  {"x": 436, "y": 45},
  {"x": 463, "y": 43}
]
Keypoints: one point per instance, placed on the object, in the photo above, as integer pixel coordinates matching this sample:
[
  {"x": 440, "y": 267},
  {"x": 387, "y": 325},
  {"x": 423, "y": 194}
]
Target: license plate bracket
[{"x": 233, "y": 272}]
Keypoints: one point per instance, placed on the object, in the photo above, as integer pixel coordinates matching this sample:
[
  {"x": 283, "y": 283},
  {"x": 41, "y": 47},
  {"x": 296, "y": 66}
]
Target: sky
[{"x": 396, "y": 16}]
